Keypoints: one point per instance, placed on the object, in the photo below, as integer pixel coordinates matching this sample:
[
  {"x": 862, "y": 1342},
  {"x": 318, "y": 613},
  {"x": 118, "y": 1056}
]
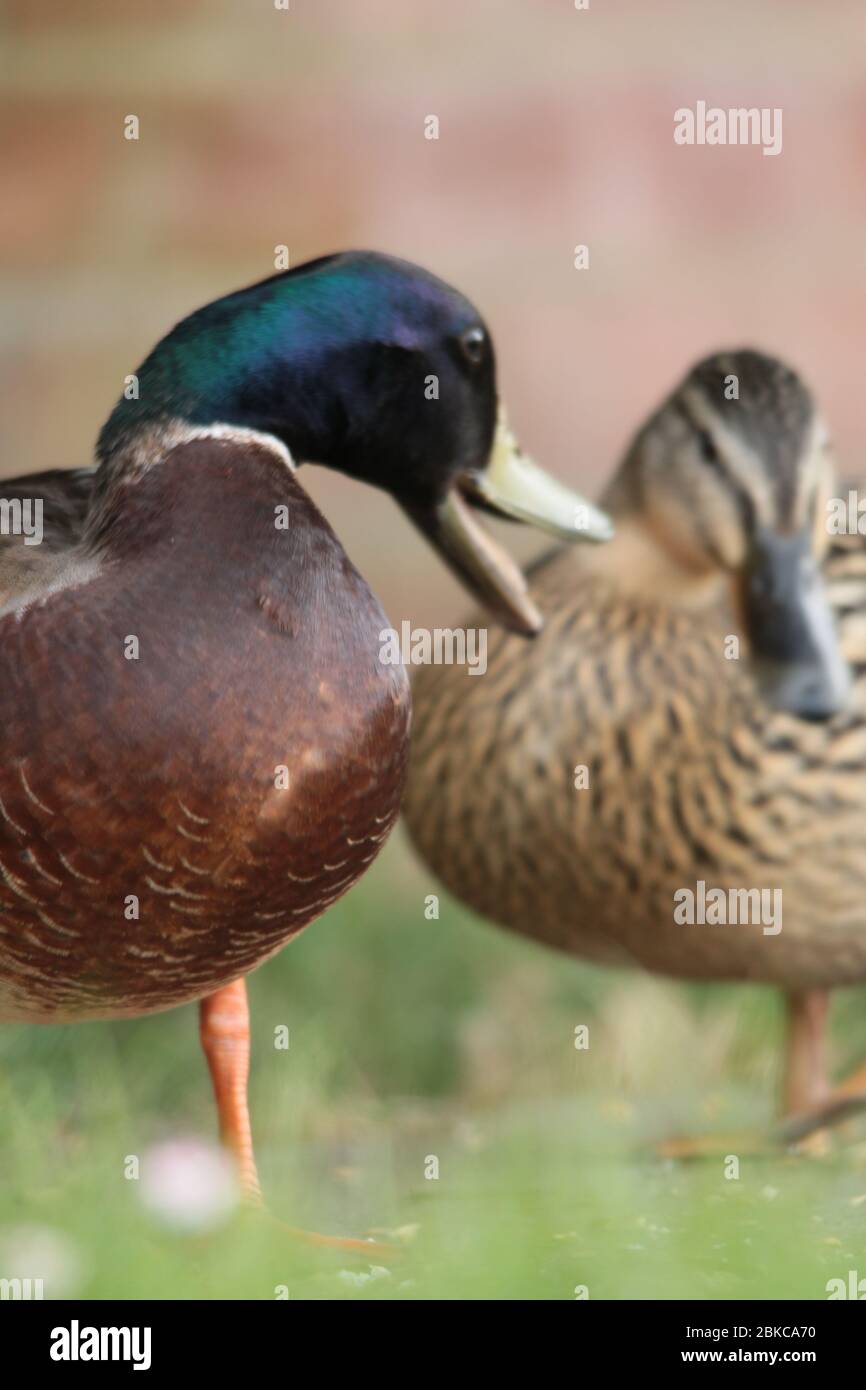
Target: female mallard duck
[
  {"x": 200, "y": 748},
  {"x": 600, "y": 780}
]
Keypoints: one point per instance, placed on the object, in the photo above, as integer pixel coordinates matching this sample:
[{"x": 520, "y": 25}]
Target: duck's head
[
  {"x": 372, "y": 366},
  {"x": 731, "y": 478}
]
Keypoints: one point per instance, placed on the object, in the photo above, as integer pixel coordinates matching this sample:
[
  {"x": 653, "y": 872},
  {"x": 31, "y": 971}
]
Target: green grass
[{"x": 412, "y": 1039}]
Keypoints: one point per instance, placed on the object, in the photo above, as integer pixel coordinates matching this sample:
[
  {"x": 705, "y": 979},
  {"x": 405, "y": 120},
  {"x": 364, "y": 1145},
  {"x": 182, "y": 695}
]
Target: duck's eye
[
  {"x": 707, "y": 447},
  {"x": 472, "y": 344}
]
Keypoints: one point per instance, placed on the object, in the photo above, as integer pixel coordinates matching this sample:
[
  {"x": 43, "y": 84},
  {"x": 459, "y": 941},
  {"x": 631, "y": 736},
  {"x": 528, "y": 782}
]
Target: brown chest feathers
[{"x": 199, "y": 749}]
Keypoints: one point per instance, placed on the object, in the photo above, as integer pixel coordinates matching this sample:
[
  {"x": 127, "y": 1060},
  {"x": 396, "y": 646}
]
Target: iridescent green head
[{"x": 372, "y": 366}]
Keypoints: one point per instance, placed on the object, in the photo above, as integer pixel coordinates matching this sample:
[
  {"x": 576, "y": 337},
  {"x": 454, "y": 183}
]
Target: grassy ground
[{"x": 412, "y": 1043}]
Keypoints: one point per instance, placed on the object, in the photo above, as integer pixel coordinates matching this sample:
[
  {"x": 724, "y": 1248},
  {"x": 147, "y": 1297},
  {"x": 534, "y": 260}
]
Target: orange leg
[
  {"x": 807, "y": 1106},
  {"x": 224, "y": 1028},
  {"x": 817, "y": 1107},
  {"x": 805, "y": 1084}
]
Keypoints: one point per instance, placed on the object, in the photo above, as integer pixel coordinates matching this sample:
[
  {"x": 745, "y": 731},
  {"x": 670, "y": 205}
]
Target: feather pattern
[{"x": 621, "y": 757}]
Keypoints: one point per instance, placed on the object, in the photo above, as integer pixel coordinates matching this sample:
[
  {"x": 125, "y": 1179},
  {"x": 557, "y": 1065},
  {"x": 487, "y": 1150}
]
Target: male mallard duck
[
  {"x": 692, "y": 718},
  {"x": 201, "y": 748}
]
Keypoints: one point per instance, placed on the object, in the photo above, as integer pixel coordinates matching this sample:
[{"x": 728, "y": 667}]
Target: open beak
[
  {"x": 796, "y": 656},
  {"x": 510, "y": 485}
]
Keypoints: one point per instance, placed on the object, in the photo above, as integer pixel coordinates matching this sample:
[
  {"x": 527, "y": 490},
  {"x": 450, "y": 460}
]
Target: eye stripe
[{"x": 713, "y": 459}]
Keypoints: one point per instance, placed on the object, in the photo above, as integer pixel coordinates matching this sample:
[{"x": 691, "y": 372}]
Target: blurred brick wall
[{"x": 261, "y": 127}]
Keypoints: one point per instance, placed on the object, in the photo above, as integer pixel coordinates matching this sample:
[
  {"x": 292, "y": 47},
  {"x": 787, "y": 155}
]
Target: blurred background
[{"x": 411, "y": 1038}]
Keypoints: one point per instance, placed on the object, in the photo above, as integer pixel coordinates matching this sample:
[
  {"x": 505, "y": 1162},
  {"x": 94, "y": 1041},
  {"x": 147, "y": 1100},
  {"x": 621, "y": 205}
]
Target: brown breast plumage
[{"x": 199, "y": 748}]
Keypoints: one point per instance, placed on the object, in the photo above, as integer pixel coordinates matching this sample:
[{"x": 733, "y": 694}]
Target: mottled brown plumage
[
  {"x": 693, "y": 771},
  {"x": 690, "y": 776}
]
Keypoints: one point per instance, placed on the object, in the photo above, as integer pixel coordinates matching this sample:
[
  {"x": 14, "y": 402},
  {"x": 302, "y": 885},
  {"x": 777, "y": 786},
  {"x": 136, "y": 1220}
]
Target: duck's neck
[
  {"x": 636, "y": 563},
  {"x": 248, "y": 361},
  {"x": 134, "y": 452}
]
